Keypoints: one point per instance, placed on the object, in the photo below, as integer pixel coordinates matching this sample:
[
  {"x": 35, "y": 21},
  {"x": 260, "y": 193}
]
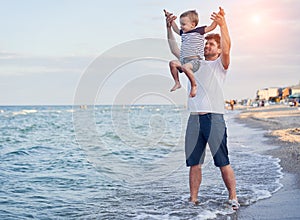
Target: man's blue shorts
[{"x": 202, "y": 129}]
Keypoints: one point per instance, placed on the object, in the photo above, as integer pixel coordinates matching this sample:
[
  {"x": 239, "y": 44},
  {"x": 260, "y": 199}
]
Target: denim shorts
[{"x": 202, "y": 129}]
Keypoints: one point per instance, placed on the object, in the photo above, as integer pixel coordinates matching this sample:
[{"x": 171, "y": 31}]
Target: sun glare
[{"x": 256, "y": 19}]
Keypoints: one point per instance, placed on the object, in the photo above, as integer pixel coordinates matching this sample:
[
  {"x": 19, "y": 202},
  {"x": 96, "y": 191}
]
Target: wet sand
[{"x": 282, "y": 125}]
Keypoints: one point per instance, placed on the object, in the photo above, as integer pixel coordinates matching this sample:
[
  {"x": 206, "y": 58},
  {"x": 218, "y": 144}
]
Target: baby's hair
[{"x": 192, "y": 15}]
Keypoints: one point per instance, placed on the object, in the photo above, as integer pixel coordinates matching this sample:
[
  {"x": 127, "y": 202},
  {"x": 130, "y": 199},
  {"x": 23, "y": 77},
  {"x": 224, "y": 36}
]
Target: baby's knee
[
  {"x": 186, "y": 67},
  {"x": 173, "y": 64}
]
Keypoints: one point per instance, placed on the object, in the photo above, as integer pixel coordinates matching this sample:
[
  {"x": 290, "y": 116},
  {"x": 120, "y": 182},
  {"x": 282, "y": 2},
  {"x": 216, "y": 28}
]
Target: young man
[{"x": 206, "y": 123}]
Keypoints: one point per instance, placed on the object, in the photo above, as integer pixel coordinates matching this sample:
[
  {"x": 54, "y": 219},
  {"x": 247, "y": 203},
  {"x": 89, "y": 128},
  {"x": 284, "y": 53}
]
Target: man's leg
[
  {"x": 229, "y": 180},
  {"x": 195, "y": 181}
]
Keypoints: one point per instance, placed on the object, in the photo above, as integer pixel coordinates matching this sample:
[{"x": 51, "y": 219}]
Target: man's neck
[{"x": 211, "y": 58}]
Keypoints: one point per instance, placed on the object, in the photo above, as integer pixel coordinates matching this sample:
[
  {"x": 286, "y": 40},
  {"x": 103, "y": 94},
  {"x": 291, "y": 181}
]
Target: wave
[
  {"x": 16, "y": 153},
  {"x": 25, "y": 112}
]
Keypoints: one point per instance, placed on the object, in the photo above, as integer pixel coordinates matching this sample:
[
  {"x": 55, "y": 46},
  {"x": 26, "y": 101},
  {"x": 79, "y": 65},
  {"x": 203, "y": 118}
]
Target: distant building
[
  {"x": 275, "y": 94},
  {"x": 262, "y": 94},
  {"x": 268, "y": 93},
  {"x": 295, "y": 90}
]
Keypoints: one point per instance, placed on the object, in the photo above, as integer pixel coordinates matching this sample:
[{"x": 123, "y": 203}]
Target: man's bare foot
[
  {"x": 176, "y": 86},
  {"x": 235, "y": 205},
  {"x": 194, "y": 201},
  {"x": 193, "y": 91}
]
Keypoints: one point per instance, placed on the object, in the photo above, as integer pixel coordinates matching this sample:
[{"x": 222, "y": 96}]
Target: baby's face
[{"x": 186, "y": 24}]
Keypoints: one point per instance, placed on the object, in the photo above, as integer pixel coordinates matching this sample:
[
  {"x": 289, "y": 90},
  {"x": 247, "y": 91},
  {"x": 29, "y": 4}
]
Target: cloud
[
  {"x": 18, "y": 64},
  {"x": 8, "y": 55}
]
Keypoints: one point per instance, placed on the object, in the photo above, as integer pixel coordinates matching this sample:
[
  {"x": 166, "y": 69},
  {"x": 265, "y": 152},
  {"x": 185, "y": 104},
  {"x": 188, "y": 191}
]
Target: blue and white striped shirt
[{"x": 192, "y": 43}]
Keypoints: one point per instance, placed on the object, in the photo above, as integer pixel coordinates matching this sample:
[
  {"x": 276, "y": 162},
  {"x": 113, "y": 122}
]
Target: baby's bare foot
[
  {"x": 176, "y": 86},
  {"x": 193, "y": 91}
]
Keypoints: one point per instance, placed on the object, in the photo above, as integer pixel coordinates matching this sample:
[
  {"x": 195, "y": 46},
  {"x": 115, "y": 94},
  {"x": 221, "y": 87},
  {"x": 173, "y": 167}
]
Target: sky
[{"x": 49, "y": 48}]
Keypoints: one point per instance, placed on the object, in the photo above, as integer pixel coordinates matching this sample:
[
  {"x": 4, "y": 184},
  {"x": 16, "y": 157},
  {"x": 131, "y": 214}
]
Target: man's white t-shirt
[{"x": 210, "y": 78}]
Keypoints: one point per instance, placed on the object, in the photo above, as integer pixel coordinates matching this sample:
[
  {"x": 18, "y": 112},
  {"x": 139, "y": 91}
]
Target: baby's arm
[
  {"x": 211, "y": 27},
  {"x": 214, "y": 24},
  {"x": 175, "y": 28},
  {"x": 171, "y": 19}
]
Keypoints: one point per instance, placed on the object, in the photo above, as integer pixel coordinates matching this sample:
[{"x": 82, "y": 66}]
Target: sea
[{"x": 120, "y": 162}]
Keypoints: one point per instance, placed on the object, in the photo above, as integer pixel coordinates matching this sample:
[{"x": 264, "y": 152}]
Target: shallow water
[{"x": 118, "y": 162}]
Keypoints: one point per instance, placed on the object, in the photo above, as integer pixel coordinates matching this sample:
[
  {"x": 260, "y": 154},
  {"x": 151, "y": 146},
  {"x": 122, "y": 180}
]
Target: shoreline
[{"x": 282, "y": 126}]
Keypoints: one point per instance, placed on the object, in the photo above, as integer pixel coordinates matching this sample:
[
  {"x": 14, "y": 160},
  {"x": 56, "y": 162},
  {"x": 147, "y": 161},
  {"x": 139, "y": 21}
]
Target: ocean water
[{"x": 119, "y": 162}]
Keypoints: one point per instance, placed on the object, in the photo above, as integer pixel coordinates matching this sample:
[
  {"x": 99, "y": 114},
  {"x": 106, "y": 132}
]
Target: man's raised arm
[{"x": 225, "y": 38}]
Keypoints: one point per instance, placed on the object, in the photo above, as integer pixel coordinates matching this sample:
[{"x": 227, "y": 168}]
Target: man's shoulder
[{"x": 215, "y": 63}]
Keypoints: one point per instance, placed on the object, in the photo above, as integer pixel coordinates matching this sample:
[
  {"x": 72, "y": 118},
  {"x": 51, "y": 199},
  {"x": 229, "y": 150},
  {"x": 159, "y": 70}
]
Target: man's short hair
[
  {"x": 215, "y": 37},
  {"x": 192, "y": 15}
]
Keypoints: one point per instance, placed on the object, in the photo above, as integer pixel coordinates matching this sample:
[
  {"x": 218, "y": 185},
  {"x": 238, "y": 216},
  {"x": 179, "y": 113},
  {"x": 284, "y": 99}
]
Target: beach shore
[{"x": 282, "y": 126}]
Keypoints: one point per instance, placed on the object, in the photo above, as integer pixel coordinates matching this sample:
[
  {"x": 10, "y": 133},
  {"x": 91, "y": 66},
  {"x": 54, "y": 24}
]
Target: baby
[{"x": 192, "y": 47}]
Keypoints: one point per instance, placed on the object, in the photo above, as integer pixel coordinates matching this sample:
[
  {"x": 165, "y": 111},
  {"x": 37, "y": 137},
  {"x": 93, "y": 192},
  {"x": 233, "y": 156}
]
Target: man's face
[{"x": 211, "y": 50}]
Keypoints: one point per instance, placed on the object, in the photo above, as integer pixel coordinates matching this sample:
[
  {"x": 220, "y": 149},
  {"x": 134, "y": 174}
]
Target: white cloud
[{"x": 17, "y": 64}]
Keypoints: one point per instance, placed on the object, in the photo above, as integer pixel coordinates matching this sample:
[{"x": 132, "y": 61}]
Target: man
[{"x": 206, "y": 123}]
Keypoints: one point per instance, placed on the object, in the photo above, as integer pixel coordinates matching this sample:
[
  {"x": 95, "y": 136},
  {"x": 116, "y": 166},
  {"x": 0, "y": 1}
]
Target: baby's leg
[
  {"x": 174, "y": 65},
  {"x": 187, "y": 69}
]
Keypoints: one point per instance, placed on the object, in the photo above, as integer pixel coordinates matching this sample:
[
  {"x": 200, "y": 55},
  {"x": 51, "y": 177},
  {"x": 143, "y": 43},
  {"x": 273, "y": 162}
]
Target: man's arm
[
  {"x": 225, "y": 38},
  {"x": 171, "y": 39}
]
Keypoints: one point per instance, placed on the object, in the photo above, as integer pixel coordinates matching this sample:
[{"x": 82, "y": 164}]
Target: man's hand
[
  {"x": 221, "y": 12},
  {"x": 219, "y": 17},
  {"x": 169, "y": 18}
]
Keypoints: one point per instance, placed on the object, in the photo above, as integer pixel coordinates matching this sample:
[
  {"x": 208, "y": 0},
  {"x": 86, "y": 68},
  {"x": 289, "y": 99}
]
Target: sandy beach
[{"x": 282, "y": 126}]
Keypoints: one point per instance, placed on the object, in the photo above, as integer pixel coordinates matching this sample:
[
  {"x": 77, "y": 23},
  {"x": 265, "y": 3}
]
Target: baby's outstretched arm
[
  {"x": 171, "y": 19},
  {"x": 211, "y": 27},
  {"x": 175, "y": 28},
  {"x": 214, "y": 24},
  {"x": 171, "y": 39}
]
